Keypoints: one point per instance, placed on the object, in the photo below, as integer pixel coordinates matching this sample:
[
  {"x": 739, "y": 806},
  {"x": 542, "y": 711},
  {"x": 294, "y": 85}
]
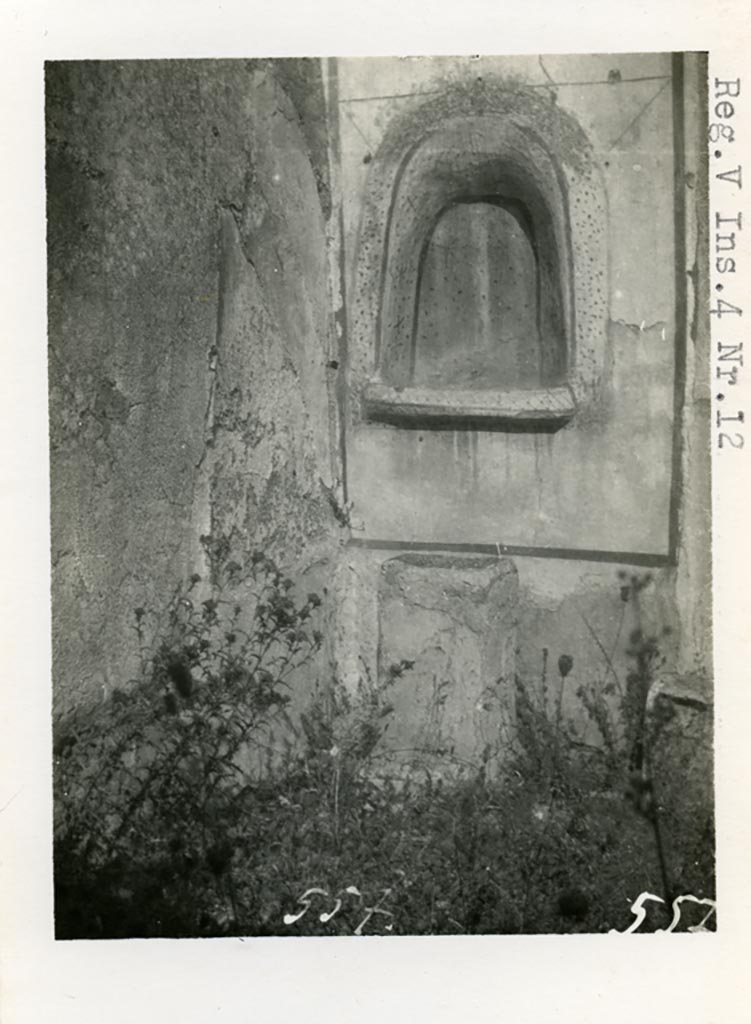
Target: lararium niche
[
  {"x": 513, "y": 300},
  {"x": 480, "y": 275}
]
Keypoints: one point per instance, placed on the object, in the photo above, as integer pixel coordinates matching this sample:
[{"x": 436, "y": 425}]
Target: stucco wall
[
  {"x": 604, "y": 481},
  {"x": 189, "y": 331},
  {"x": 194, "y": 290}
]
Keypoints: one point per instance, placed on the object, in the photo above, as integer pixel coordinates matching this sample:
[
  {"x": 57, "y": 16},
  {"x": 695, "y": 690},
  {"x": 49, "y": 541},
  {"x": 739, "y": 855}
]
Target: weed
[{"x": 199, "y": 801}]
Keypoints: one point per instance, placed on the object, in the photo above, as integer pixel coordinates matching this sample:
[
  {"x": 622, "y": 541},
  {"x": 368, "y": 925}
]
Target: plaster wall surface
[
  {"x": 604, "y": 481},
  {"x": 453, "y": 620},
  {"x": 189, "y": 330},
  {"x": 193, "y": 362}
]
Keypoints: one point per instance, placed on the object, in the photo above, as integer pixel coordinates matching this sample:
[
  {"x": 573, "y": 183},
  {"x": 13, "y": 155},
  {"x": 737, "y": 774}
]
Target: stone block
[{"x": 454, "y": 619}]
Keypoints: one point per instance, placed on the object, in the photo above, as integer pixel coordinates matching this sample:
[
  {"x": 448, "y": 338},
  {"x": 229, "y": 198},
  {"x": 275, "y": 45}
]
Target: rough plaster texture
[
  {"x": 693, "y": 583},
  {"x": 272, "y": 457},
  {"x": 567, "y": 608},
  {"x": 189, "y": 324},
  {"x": 685, "y": 770},
  {"x": 562, "y": 606},
  {"x": 455, "y": 618},
  {"x": 531, "y": 488}
]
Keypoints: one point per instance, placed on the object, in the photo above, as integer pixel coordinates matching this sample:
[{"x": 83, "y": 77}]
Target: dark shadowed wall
[{"x": 189, "y": 332}]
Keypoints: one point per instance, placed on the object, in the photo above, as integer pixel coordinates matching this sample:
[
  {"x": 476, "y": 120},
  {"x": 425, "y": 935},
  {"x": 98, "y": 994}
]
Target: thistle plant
[
  {"x": 154, "y": 782},
  {"x": 210, "y": 797}
]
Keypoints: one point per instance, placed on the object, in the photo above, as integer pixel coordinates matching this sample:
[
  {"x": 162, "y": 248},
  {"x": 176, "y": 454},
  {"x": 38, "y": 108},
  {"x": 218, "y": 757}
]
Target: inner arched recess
[
  {"x": 487, "y": 315},
  {"x": 475, "y": 315}
]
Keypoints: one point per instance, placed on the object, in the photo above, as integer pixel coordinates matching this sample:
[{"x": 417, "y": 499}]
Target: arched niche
[{"x": 481, "y": 271}]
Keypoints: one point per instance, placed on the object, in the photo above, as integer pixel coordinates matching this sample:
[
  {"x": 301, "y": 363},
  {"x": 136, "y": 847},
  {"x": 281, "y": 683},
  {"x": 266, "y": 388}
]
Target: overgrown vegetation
[{"x": 198, "y": 802}]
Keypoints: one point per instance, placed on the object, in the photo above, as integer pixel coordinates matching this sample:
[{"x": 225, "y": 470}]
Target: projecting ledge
[{"x": 538, "y": 409}]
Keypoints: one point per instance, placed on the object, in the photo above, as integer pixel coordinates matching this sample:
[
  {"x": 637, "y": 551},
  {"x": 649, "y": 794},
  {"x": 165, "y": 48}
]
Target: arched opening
[{"x": 478, "y": 298}]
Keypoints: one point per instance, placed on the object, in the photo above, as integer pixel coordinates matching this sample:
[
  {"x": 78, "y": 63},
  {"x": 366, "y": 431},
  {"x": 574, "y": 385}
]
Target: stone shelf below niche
[{"x": 534, "y": 409}]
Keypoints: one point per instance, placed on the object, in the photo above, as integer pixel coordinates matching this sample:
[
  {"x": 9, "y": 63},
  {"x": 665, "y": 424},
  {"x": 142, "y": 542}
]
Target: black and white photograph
[
  {"x": 379, "y": 434},
  {"x": 374, "y": 487}
]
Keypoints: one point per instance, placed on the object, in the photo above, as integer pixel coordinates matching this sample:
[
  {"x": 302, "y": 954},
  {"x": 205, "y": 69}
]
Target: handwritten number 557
[{"x": 306, "y": 899}]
